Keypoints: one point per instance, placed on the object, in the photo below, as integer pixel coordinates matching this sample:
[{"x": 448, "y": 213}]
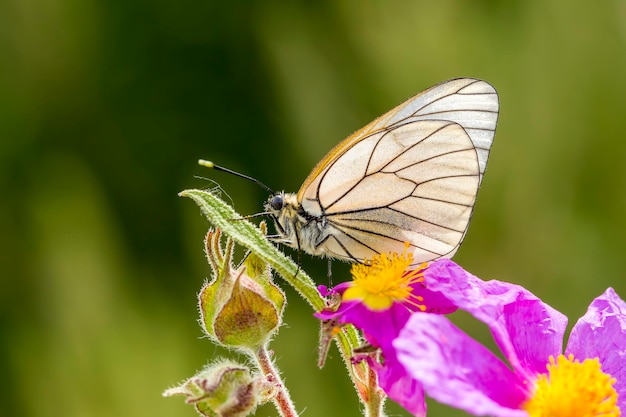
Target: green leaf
[{"x": 248, "y": 235}]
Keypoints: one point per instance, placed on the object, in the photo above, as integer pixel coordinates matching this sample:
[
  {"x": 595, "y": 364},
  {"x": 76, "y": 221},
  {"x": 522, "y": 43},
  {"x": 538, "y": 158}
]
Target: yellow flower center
[
  {"x": 571, "y": 388},
  {"x": 384, "y": 280}
]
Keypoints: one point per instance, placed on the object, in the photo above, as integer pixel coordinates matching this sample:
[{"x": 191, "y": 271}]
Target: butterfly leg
[{"x": 330, "y": 272}]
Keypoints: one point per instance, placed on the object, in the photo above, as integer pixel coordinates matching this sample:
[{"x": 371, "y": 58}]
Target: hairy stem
[{"x": 282, "y": 400}]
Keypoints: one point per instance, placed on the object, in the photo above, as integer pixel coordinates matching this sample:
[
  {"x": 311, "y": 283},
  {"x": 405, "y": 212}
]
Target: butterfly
[{"x": 410, "y": 176}]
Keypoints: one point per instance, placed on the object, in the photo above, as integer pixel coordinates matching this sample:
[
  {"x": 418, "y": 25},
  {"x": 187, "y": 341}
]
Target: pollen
[
  {"x": 572, "y": 388},
  {"x": 380, "y": 282}
]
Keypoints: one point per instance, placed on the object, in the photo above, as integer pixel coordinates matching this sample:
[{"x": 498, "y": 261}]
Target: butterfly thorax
[{"x": 295, "y": 226}]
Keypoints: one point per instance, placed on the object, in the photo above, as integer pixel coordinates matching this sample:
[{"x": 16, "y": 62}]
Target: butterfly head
[
  {"x": 275, "y": 203},
  {"x": 286, "y": 211}
]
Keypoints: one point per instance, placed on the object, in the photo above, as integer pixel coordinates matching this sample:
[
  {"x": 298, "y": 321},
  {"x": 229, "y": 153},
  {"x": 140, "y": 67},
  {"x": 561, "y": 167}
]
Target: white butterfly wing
[
  {"x": 411, "y": 175},
  {"x": 413, "y": 183},
  {"x": 468, "y": 102}
]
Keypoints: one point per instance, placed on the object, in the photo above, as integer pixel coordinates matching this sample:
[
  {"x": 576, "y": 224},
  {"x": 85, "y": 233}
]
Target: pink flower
[
  {"x": 589, "y": 379},
  {"x": 379, "y": 301}
]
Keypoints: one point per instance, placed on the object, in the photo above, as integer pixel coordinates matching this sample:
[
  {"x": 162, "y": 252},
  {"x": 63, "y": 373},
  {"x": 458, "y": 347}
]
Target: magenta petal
[
  {"x": 379, "y": 328},
  {"x": 456, "y": 370},
  {"x": 534, "y": 331},
  {"x": 434, "y": 301},
  {"x": 527, "y": 330},
  {"x": 400, "y": 387},
  {"x": 601, "y": 333}
]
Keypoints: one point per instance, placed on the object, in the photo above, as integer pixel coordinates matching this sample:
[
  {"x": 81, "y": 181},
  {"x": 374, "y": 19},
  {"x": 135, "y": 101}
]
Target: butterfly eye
[{"x": 277, "y": 202}]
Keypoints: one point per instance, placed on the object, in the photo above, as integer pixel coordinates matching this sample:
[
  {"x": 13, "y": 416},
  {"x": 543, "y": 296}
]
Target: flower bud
[
  {"x": 240, "y": 308},
  {"x": 225, "y": 389}
]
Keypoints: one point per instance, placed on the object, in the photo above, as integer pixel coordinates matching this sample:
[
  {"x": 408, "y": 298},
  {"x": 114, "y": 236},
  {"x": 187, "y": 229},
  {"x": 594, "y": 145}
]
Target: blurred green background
[{"x": 105, "y": 107}]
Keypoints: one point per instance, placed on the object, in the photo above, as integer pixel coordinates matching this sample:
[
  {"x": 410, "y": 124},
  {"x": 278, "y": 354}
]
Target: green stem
[{"x": 248, "y": 235}]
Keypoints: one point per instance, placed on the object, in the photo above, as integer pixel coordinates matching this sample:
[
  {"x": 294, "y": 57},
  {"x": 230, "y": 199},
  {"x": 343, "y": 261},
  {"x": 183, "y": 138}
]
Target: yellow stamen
[
  {"x": 384, "y": 280},
  {"x": 571, "y": 388}
]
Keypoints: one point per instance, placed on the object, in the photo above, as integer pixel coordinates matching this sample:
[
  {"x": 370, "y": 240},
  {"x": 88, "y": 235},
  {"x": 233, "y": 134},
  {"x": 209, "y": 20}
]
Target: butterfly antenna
[{"x": 210, "y": 164}]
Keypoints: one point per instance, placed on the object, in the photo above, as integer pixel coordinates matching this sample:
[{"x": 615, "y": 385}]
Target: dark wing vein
[
  {"x": 347, "y": 252},
  {"x": 338, "y": 221},
  {"x": 408, "y": 148},
  {"x": 342, "y": 229},
  {"x": 445, "y": 96},
  {"x": 338, "y": 213}
]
